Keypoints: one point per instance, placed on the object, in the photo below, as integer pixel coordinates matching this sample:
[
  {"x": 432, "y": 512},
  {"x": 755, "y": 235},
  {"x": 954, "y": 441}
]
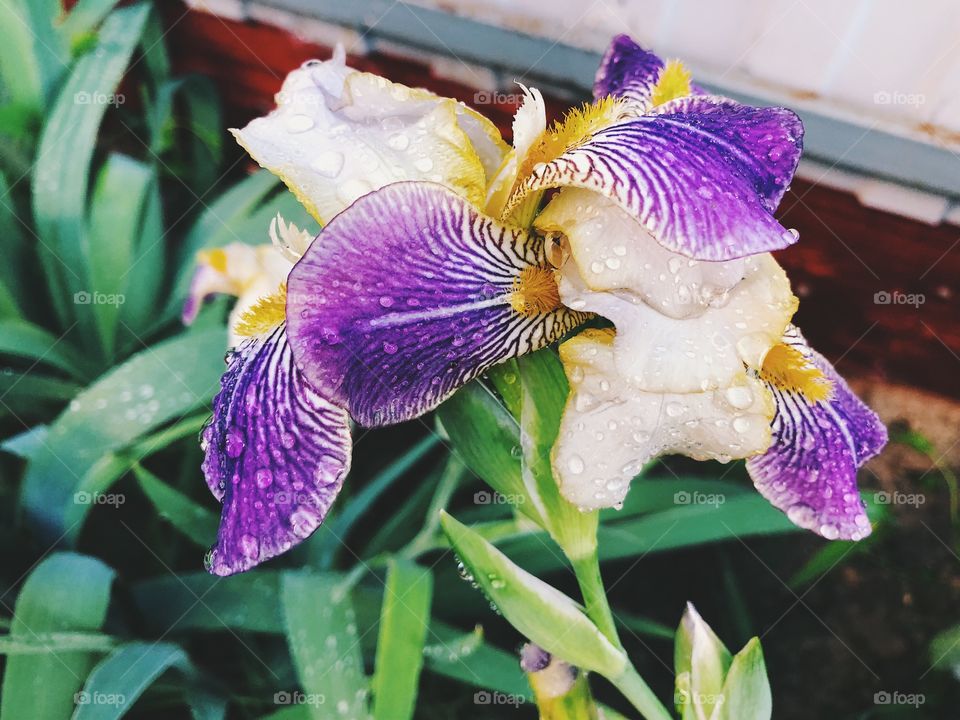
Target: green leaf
[
  {"x": 15, "y": 251},
  {"x": 194, "y": 521},
  {"x": 343, "y": 522},
  {"x": 66, "y": 592},
  {"x": 204, "y": 129},
  {"x": 249, "y": 602},
  {"x": 474, "y": 662},
  {"x": 120, "y": 678},
  {"x": 147, "y": 273},
  {"x": 67, "y": 144},
  {"x": 83, "y": 19},
  {"x": 505, "y": 378},
  {"x": 404, "y": 622},
  {"x": 24, "y": 339},
  {"x": 644, "y": 626},
  {"x": 322, "y": 634},
  {"x": 26, "y": 444},
  {"x": 746, "y": 515},
  {"x": 534, "y": 608},
  {"x": 746, "y": 691},
  {"x": 114, "y": 234},
  {"x": 19, "y": 392},
  {"x": 55, "y": 642},
  {"x": 543, "y": 395},
  {"x": 945, "y": 651},
  {"x": 487, "y": 438},
  {"x": 703, "y": 658},
  {"x": 31, "y": 58},
  {"x": 160, "y": 384},
  {"x": 221, "y": 223}
]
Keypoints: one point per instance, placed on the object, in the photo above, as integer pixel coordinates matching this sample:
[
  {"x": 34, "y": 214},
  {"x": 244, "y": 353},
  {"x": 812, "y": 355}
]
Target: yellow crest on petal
[
  {"x": 535, "y": 292},
  {"x": 673, "y": 83},
  {"x": 216, "y": 258},
  {"x": 790, "y": 370},
  {"x": 265, "y": 315},
  {"x": 578, "y": 126}
]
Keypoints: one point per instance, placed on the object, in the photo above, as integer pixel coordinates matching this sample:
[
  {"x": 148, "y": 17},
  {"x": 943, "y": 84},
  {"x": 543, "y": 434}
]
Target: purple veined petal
[
  {"x": 701, "y": 174},
  {"x": 406, "y": 296},
  {"x": 276, "y": 454},
  {"x": 810, "y": 470},
  {"x": 629, "y": 72}
]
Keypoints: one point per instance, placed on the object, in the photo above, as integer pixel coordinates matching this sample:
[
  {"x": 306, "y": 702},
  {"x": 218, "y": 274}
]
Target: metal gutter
[{"x": 833, "y": 137}]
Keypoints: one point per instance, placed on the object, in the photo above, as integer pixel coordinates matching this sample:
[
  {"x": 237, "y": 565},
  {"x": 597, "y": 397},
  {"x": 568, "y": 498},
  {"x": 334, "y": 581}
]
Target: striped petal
[
  {"x": 610, "y": 429},
  {"x": 411, "y": 293},
  {"x": 810, "y": 470},
  {"x": 337, "y": 134},
  {"x": 628, "y": 71},
  {"x": 702, "y": 174},
  {"x": 276, "y": 454}
]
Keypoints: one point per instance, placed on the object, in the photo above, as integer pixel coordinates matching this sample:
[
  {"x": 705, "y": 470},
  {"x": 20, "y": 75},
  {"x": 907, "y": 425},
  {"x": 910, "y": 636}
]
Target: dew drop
[{"x": 299, "y": 123}]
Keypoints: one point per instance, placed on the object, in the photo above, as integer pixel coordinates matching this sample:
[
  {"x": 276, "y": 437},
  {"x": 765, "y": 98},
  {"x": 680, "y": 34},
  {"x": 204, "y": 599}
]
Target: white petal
[
  {"x": 613, "y": 251},
  {"x": 337, "y": 134},
  {"x": 658, "y": 353},
  {"x": 289, "y": 240},
  {"x": 610, "y": 429},
  {"x": 529, "y": 124},
  {"x": 272, "y": 271}
]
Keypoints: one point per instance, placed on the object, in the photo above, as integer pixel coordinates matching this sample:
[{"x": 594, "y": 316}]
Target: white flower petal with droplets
[
  {"x": 337, "y": 134},
  {"x": 658, "y": 353},
  {"x": 610, "y": 430},
  {"x": 613, "y": 251}
]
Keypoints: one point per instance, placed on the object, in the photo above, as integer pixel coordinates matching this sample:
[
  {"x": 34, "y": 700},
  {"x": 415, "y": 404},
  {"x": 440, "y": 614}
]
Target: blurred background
[{"x": 116, "y": 169}]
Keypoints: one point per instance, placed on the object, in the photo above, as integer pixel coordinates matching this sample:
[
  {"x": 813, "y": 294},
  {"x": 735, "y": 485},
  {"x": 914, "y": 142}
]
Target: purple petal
[
  {"x": 810, "y": 470},
  {"x": 405, "y": 296},
  {"x": 276, "y": 455},
  {"x": 630, "y": 72},
  {"x": 701, "y": 174}
]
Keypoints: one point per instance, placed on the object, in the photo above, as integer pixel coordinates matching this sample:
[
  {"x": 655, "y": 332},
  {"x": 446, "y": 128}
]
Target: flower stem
[
  {"x": 633, "y": 687},
  {"x": 587, "y": 570},
  {"x": 636, "y": 690}
]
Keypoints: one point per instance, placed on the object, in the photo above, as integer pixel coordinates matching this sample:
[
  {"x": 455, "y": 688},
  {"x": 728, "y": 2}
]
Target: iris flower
[
  {"x": 704, "y": 361},
  {"x": 434, "y": 264},
  {"x": 408, "y": 292}
]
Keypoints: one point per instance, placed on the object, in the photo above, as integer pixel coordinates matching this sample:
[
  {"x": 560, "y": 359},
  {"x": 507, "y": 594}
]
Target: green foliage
[{"x": 105, "y": 199}]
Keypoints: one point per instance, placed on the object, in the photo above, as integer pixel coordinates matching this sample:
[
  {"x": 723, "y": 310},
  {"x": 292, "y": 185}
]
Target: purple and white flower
[
  {"x": 703, "y": 361},
  {"x": 435, "y": 263},
  {"x": 408, "y": 292}
]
